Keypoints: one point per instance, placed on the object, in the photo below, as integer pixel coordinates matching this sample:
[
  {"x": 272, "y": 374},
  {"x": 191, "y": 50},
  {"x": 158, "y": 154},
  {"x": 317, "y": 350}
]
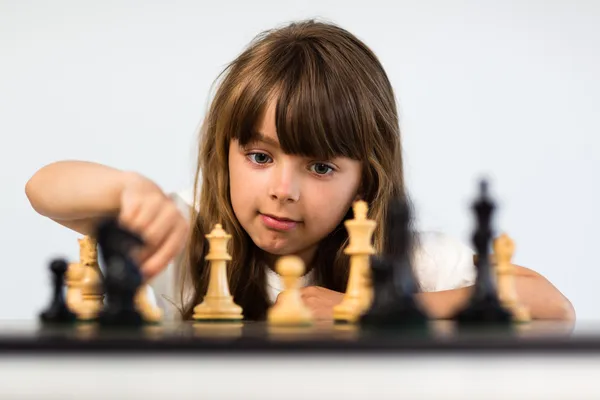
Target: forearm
[
  {"x": 71, "y": 190},
  {"x": 542, "y": 299}
]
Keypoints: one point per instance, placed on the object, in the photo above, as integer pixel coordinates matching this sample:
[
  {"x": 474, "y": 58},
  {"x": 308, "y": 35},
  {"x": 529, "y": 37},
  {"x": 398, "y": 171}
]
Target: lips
[
  {"x": 278, "y": 223},
  {"x": 279, "y": 218}
]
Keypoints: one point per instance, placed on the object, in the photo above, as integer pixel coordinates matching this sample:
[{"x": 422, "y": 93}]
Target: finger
[
  {"x": 130, "y": 207},
  {"x": 163, "y": 223},
  {"x": 149, "y": 210},
  {"x": 166, "y": 253},
  {"x": 308, "y": 291},
  {"x": 142, "y": 254},
  {"x": 319, "y": 311},
  {"x": 323, "y": 314},
  {"x": 159, "y": 229},
  {"x": 311, "y": 302}
]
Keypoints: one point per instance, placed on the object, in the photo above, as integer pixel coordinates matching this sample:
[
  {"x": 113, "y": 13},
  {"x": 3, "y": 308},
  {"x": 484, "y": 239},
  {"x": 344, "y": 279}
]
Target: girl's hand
[
  {"x": 149, "y": 212},
  {"x": 321, "y": 301}
]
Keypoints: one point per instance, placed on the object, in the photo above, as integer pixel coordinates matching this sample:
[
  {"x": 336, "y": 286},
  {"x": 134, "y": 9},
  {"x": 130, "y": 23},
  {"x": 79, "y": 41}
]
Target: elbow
[
  {"x": 560, "y": 309},
  {"x": 32, "y": 192},
  {"x": 566, "y": 311}
]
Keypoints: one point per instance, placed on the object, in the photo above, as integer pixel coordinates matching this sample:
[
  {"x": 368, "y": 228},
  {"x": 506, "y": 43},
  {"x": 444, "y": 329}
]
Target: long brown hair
[{"x": 333, "y": 98}]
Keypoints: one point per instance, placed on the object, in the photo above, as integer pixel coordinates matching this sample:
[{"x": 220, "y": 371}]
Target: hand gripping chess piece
[
  {"x": 504, "y": 248},
  {"x": 358, "y": 296},
  {"x": 218, "y": 304},
  {"x": 289, "y": 310}
]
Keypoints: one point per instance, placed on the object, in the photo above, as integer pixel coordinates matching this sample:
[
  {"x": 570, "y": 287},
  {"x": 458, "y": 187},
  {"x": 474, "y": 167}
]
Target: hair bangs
[
  {"x": 316, "y": 115},
  {"x": 246, "y": 108},
  {"x": 317, "y": 112}
]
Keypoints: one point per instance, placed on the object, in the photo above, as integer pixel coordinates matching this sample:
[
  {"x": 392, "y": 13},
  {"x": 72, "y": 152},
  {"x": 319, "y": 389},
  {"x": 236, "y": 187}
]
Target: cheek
[
  {"x": 240, "y": 187},
  {"x": 328, "y": 207},
  {"x": 246, "y": 188}
]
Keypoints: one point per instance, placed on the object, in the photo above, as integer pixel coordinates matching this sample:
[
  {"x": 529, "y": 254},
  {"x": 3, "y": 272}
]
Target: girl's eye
[
  {"x": 259, "y": 158},
  {"x": 321, "y": 169}
]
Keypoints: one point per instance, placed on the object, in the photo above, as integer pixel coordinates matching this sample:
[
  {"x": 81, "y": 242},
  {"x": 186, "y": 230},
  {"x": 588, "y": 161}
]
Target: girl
[{"x": 303, "y": 123}]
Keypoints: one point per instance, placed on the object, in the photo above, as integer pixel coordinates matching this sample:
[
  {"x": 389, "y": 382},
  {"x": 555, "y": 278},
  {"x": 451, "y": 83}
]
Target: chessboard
[
  {"x": 322, "y": 337},
  {"x": 253, "y": 360}
]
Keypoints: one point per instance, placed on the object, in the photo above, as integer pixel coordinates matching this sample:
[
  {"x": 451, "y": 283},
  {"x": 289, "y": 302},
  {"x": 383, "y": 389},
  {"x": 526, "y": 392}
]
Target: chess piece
[
  {"x": 90, "y": 286},
  {"x": 484, "y": 306},
  {"x": 504, "y": 248},
  {"x": 149, "y": 312},
  {"x": 394, "y": 284},
  {"x": 74, "y": 276},
  {"x": 123, "y": 277},
  {"x": 358, "y": 296},
  {"x": 399, "y": 249},
  {"x": 289, "y": 309},
  {"x": 218, "y": 304},
  {"x": 58, "y": 312}
]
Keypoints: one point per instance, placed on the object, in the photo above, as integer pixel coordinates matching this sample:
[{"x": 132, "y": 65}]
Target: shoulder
[{"x": 442, "y": 262}]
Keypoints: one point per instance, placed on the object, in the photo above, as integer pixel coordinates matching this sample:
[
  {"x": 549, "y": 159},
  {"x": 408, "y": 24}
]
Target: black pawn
[
  {"x": 484, "y": 306},
  {"x": 58, "y": 312}
]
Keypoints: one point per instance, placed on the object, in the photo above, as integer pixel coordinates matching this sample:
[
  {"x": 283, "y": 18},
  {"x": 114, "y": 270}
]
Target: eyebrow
[{"x": 261, "y": 137}]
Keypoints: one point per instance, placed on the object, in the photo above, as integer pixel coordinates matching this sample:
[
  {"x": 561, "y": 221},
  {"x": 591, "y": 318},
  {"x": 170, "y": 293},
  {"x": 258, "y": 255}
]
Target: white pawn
[{"x": 290, "y": 309}]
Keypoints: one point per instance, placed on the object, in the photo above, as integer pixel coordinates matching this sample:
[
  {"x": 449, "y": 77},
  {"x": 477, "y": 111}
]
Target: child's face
[{"x": 265, "y": 183}]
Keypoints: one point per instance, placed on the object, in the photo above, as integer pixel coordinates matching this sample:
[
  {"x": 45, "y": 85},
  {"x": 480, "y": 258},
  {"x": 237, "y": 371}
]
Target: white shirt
[{"x": 440, "y": 262}]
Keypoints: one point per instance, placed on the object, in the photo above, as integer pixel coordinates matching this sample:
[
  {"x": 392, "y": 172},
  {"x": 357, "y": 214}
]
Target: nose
[{"x": 284, "y": 185}]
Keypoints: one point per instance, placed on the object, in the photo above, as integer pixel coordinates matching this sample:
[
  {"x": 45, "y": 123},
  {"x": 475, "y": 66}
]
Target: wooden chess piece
[
  {"x": 484, "y": 306},
  {"x": 218, "y": 304},
  {"x": 92, "y": 292},
  {"x": 358, "y": 296},
  {"x": 73, "y": 278},
  {"x": 58, "y": 311},
  {"x": 504, "y": 248},
  {"x": 149, "y": 312},
  {"x": 290, "y": 309},
  {"x": 122, "y": 277},
  {"x": 395, "y": 304}
]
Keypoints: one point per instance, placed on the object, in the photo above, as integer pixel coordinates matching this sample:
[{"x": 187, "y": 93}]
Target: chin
[
  {"x": 276, "y": 249},
  {"x": 278, "y": 246}
]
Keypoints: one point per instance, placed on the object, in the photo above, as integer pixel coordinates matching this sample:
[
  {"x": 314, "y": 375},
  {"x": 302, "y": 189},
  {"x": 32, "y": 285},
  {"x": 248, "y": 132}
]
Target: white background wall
[{"x": 508, "y": 89}]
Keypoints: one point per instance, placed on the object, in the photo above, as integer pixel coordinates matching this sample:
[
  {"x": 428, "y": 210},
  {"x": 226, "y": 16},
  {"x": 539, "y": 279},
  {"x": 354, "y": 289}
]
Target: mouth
[
  {"x": 278, "y": 223},
  {"x": 283, "y": 219}
]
